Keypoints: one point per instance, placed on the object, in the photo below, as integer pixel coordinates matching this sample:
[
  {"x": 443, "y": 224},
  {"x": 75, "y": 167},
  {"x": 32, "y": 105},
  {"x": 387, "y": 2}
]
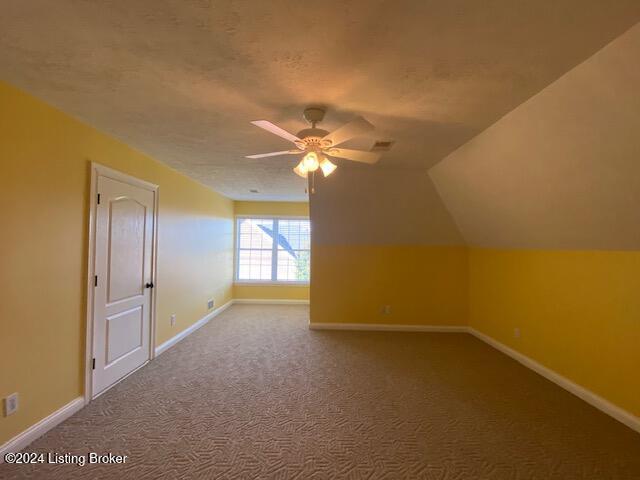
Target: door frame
[{"x": 96, "y": 171}]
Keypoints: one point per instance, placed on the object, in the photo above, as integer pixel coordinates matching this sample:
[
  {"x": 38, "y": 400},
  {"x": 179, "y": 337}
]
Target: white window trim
[
  {"x": 269, "y": 283},
  {"x": 274, "y": 265}
]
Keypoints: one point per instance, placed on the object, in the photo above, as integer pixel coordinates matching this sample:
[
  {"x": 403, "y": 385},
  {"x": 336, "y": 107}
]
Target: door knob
[{"x": 149, "y": 285}]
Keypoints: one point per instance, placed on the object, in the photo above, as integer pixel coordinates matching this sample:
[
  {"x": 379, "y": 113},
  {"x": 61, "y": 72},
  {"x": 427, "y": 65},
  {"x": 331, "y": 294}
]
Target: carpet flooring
[{"x": 255, "y": 394}]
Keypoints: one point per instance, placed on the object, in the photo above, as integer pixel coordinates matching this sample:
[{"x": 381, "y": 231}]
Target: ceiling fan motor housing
[{"x": 311, "y": 138}]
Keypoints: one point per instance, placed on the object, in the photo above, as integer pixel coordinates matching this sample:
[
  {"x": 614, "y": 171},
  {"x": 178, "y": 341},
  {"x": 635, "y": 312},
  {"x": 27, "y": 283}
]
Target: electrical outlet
[
  {"x": 516, "y": 333},
  {"x": 10, "y": 404},
  {"x": 173, "y": 319},
  {"x": 210, "y": 304},
  {"x": 386, "y": 310}
]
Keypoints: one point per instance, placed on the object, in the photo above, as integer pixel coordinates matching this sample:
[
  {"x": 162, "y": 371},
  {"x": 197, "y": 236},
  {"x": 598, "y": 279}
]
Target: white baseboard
[
  {"x": 35, "y": 431},
  {"x": 588, "y": 396},
  {"x": 277, "y": 301},
  {"x": 388, "y": 327},
  {"x": 189, "y": 330}
]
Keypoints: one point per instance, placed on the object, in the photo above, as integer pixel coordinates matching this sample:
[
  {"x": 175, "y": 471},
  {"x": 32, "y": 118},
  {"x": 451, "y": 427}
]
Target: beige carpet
[{"x": 255, "y": 394}]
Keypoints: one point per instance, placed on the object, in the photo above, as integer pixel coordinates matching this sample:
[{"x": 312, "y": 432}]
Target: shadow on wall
[{"x": 365, "y": 205}]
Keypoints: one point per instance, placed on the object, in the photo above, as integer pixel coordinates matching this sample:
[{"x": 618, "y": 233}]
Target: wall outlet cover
[
  {"x": 173, "y": 319},
  {"x": 210, "y": 304},
  {"x": 10, "y": 404}
]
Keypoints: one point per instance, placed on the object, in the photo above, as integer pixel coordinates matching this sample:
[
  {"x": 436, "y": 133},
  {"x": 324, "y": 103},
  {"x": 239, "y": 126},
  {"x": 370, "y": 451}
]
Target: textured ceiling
[{"x": 180, "y": 80}]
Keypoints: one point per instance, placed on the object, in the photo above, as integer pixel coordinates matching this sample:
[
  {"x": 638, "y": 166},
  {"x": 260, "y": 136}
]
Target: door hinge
[
  {"x": 95, "y": 280},
  {"x": 93, "y": 364},
  {"x": 98, "y": 199}
]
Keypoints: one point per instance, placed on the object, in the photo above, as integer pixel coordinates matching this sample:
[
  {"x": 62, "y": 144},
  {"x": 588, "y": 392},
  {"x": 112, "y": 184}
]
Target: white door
[{"x": 123, "y": 288}]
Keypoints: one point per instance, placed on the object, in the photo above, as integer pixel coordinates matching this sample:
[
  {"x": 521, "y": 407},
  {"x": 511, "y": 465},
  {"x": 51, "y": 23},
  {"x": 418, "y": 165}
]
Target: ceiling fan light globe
[
  {"x": 301, "y": 170},
  {"x": 310, "y": 161},
  {"x": 327, "y": 167}
]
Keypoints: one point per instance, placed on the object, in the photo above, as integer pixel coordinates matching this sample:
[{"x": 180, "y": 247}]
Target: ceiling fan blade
[
  {"x": 356, "y": 127},
  {"x": 274, "y": 154},
  {"x": 355, "y": 155},
  {"x": 276, "y": 130}
]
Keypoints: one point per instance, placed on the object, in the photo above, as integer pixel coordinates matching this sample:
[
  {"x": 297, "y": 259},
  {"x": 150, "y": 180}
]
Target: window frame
[{"x": 274, "y": 255}]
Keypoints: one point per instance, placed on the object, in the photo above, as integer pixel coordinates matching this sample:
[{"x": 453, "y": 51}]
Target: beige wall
[
  {"x": 366, "y": 205},
  {"x": 271, "y": 292},
  {"x": 44, "y": 186}
]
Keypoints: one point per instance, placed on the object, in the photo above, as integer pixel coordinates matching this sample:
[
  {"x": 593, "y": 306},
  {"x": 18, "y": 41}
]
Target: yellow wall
[
  {"x": 423, "y": 284},
  {"x": 578, "y": 313},
  {"x": 271, "y": 292},
  {"x": 291, "y": 209},
  {"x": 44, "y": 188}
]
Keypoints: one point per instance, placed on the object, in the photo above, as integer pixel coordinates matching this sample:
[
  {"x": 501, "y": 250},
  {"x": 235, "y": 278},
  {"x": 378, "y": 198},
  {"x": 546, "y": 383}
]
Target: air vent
[
  {"x": 382, "y": 146},
  {"x": 253, "y": 190}
]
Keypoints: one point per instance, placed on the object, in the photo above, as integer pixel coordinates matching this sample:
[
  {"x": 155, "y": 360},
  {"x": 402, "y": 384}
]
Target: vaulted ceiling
[
  {"x": 561, "y": 171},
  {"x": 180, "y": 80}
]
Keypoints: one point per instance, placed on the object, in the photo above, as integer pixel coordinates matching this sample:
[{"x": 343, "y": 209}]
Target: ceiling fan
[{"x": 317, "y": 144}]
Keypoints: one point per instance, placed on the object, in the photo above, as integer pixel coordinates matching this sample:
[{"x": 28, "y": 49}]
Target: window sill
[{"x": 257, "y": 283}]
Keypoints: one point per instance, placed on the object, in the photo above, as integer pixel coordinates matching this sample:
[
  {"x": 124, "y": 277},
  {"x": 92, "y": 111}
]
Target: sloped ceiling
[
  {"x": 561, "y": 171},
  {"x": 180, "y": 80}
]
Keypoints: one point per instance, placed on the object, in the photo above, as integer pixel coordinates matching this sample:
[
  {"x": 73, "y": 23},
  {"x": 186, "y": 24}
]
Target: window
[{"x": 273, "y": 250}]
